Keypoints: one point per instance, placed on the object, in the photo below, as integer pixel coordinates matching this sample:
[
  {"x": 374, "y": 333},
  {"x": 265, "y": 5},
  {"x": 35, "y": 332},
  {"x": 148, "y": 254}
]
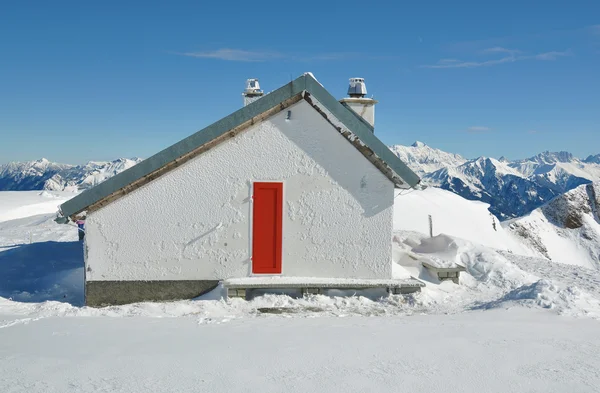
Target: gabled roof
[{"x": 345, "y": 120}]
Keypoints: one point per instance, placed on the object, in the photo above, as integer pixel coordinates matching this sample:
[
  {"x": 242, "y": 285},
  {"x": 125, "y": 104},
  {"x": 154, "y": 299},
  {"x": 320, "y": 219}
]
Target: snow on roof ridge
[{"x": 310, "y": 74}]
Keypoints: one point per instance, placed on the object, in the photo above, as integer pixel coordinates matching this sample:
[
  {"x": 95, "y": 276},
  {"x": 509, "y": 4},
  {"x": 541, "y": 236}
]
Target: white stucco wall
[{"x": 194, "y": 223}]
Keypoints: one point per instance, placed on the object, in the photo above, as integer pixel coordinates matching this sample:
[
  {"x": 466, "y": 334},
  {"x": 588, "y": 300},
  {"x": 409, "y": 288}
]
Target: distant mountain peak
[
  {"x": 425, "y": 159},
  {"x": 593, "y": 159},
  {"x": 43, "y": 174},
  {"x": 548, "y": 157}
]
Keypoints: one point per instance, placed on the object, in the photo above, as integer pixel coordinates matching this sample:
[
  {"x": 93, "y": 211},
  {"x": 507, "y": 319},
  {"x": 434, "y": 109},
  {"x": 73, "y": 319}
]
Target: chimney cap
[
  {"x": 357, "y": 88},
  {"x": 252, "y": 88}
]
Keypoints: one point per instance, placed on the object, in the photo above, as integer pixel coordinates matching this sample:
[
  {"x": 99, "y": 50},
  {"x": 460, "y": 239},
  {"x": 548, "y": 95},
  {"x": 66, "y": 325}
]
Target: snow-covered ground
[
  {"x": 491, "y": 351},
  {"x": 516, "y": 322},
  {"x": 18, "y": 204}
]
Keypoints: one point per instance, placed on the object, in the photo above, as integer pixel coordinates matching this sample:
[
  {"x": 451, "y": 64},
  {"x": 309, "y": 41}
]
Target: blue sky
[{"x": 99, "y": 80}]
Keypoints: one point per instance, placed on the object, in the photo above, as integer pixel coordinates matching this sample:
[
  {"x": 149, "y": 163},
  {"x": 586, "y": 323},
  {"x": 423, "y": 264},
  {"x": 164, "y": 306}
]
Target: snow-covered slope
[
  {"x": 20, "y": 204},
  {"x": 452, "y": 215},
  {"x": 45, "y": 175},
  {"x": 565, "y": 230}
]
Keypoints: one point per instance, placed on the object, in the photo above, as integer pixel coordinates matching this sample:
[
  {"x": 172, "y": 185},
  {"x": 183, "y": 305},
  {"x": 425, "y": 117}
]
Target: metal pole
[{"x": 430, "y": 226}]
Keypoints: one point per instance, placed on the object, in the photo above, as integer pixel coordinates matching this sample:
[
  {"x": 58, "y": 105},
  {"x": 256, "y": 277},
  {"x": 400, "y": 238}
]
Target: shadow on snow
[{"x": 43, "y": 271}]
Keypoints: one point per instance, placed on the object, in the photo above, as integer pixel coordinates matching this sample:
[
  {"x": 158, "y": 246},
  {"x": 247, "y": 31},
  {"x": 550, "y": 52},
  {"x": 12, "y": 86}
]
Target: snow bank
[
  {"x": 494, "y": 278},
  {"x": 212, "y": 308},
  {"x": 441, "y": 251},
  {"x": 452, "y": 215},
  {"x": 544, "y": 293}
]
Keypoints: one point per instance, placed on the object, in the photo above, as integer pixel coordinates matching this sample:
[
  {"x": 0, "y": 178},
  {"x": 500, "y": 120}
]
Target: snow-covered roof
[{"x": 306, "y": 87}]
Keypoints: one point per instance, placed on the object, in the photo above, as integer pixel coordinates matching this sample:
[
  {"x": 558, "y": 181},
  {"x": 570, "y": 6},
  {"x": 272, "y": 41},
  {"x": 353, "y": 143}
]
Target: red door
[{"x": 266, "y": 228}]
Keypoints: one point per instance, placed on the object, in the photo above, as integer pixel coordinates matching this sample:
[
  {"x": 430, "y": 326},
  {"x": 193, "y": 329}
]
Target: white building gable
[{"x": 195, "y": 222}]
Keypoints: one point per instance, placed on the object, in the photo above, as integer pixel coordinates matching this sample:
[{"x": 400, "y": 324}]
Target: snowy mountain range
[
  {"x": 512, "y": 188},
  {"x": 45, "y": 175}
]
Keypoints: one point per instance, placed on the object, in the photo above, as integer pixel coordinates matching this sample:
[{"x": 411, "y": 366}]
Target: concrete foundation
[
  {"x": 108, "y": 293},
  {"x": 241, "y": 287}
]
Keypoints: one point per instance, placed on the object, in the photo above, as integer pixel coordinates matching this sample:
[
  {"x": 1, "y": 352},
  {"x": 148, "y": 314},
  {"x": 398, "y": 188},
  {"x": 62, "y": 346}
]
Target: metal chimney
[
  {"x": 357, "y": 88},
  {"x": 364, "y": 107}
]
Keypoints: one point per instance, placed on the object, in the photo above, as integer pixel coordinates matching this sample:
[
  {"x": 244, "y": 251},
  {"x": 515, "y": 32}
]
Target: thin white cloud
[
  {"x": 551, "y": 55},
  {"x": 325, "y": 56},
  {"x": 477, "y": 129},
  {"x": 533, "y": 132},
  {"x": 470, "y": 64},
  {"x": 511, "y": 58},
  {"x": 449, "y": 61},
  {"x": 499, "y": 49},
  {"x": 235, "y": 55},
  {"x": 551, "y": 35},
  {"x": 242, "y": 55}
]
